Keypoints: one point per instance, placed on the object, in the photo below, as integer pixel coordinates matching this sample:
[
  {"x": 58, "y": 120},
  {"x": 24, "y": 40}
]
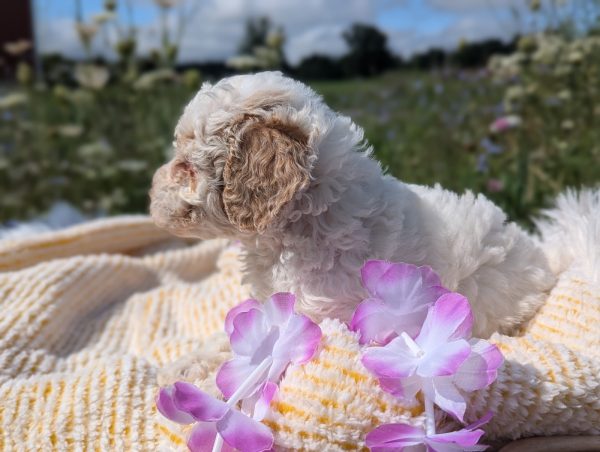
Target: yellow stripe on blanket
[{"x": 86, "y": 337}]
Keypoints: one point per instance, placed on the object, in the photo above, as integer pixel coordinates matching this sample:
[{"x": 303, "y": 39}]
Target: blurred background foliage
[{"x": 518, "y": 121}]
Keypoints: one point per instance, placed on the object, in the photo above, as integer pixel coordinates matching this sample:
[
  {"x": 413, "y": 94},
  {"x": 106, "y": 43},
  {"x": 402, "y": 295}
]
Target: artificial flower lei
[
  {"x": 417, "y": 337},
  {"x": 265, "y": 340},
  {"x": 437, "y": 357}
]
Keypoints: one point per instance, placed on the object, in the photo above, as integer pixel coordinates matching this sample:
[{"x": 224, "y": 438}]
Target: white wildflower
[
  {"x": 103, "y": 17},
  {"x": 13, "y": 100},
  {"x": 69, "y": 130},
  {"x": 150, "y": 79},
  {"x": 16, "y": 48},
  {"x": 243, "y": 62},
  {"x": 95, "y": 149},
  {"x": 86, "y": 32},
  {"x": 91, "y": 76}
]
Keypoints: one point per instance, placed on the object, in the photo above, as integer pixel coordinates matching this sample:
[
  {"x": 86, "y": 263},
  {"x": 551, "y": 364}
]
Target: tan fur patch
[{"x": 265, "y": 168}]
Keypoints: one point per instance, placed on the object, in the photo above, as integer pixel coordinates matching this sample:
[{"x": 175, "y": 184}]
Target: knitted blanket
[{"x": 95, "y": 317}]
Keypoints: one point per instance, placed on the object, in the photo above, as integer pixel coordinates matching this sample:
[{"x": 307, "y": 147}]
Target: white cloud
[
  {"x": 471, "y": 27},
  {"x": 214, "y": 27},
  {"x": 324, "y": 40},
  {"x": 310, "y": 25},
  {"x": 59, "y": 36}
]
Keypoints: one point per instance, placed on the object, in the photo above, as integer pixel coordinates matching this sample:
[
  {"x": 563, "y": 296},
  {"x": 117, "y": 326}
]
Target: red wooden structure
[{"x": 16, "y": 23}]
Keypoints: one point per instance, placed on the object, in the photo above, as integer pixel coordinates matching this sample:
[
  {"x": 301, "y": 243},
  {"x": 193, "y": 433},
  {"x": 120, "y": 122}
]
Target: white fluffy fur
[
  {"x": 570, "y": 233},
  {"x": 352, "y": 212}
]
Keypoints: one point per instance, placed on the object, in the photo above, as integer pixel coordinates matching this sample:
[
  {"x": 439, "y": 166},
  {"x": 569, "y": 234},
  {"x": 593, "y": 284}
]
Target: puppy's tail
[{"x": 570, "y": 233}]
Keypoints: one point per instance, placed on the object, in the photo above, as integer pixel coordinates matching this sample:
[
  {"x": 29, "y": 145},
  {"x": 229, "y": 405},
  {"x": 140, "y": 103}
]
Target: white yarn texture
[{"x": 95, "y": 317}]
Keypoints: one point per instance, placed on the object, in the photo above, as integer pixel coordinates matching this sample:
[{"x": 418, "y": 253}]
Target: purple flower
[
  {"x": 490, "y": 147},
  {"x": 494, "y": 185},
  {"x": 482, "y": 163},
  {"x": 265, "y": 339},
  {"x": 184, "y": 403},
  {"x": 397, "y": 437},
  {"x": 400, "y": 296},
  {"x": 442, "y": 361},
  {"x": 505, "y": 123}
]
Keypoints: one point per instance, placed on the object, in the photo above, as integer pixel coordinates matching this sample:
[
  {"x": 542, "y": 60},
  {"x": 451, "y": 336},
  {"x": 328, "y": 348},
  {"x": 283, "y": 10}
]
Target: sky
[{"x": 212, "y": 29}]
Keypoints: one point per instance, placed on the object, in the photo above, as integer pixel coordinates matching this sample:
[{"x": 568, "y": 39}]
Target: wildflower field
[{"x": 519, "y": 131}]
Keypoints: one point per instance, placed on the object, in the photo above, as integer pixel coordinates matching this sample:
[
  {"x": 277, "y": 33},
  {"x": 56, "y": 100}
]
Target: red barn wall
[{"x": 15, "y": 24}]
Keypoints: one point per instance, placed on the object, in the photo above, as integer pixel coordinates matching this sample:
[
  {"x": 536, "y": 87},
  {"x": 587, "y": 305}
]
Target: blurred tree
[
  {"x": 430, "y": 59},
  {"x": 368, "y": 51},
  {"x": 319, "y": 67},
  {"x": 477, "y": 54},
  {"x": 261, "y": 47},
  {"x": 255, "y": 35}
]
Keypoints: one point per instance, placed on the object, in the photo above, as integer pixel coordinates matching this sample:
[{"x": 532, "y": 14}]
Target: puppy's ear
[
  {"x": 184, "y": 174},
  {"x": 268, "y": 163}
]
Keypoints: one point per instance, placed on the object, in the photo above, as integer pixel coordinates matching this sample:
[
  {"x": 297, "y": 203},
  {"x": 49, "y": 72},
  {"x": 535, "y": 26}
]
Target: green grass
[
  {"x": 429, "y": 129},
  {"x": 425, "y": 128},
  {"x": 105, "y": 166}
]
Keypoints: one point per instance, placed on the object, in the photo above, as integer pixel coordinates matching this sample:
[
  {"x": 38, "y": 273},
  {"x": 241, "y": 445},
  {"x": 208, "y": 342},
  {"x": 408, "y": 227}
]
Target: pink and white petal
[
  {"x": 232, "y": 374},
  {"x": 448, "y": 319},
  {"x": 396, "y": 359},
  {"x": 445, "y": 395},
  {"x": 247, "y": 404},
  {"x": 372, "y": 272},
  {"x": 395, "y": 284},
  {"x": 463, "y": 438},
  {"x": 431, "y": 278},
  {"x": 298, "y": 340},
  {"x": 277, "y": 368},
  {"x": 202, "y": 438},
  {"x": 279, "y": 308},
  {"x": 373, "y": 320},
  {"x": 404, "y": 287},
  {"x": 249, "y": 331},
  {"x": 410, "y": 322},
  {"x": 266, "y": 394},
  {"x": 393, "y": 386},
  {"x": 405, "y": 388},
  {"x": 480, "y": 369},
  {"x": 395, "y": 436},
  {"x": 244, "y": 306},
  {"x": 480, "y": 422},
  {"x": 202, "y": 406},
  {"x": 166, "y": 406},
  {"x": 244, "y": 433},
  {"x": 445, "y": 359}
]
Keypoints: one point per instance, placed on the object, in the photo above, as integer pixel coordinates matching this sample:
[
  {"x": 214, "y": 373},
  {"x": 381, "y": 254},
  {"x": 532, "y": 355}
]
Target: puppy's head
[{"x": 244, "y": 149}]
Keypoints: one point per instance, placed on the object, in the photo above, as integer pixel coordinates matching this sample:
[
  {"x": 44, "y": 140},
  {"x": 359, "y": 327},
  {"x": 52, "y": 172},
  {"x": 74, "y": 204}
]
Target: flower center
[{"x": 414, "y": 347}]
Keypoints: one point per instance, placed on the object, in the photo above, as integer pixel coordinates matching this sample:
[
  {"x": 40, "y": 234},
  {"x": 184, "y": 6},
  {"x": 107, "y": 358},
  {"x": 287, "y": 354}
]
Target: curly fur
[
  {"x": 317, "y": 205},
  {"x": 265, "y": 150}
]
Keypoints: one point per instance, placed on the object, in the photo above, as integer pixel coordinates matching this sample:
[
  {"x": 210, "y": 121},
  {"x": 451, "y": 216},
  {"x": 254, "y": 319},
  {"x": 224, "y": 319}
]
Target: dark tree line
[{"x": 369, "y": 55}]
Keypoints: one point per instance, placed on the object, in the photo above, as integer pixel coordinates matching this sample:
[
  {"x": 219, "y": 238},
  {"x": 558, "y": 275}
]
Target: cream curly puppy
[{"x": 261, "y": 159}]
